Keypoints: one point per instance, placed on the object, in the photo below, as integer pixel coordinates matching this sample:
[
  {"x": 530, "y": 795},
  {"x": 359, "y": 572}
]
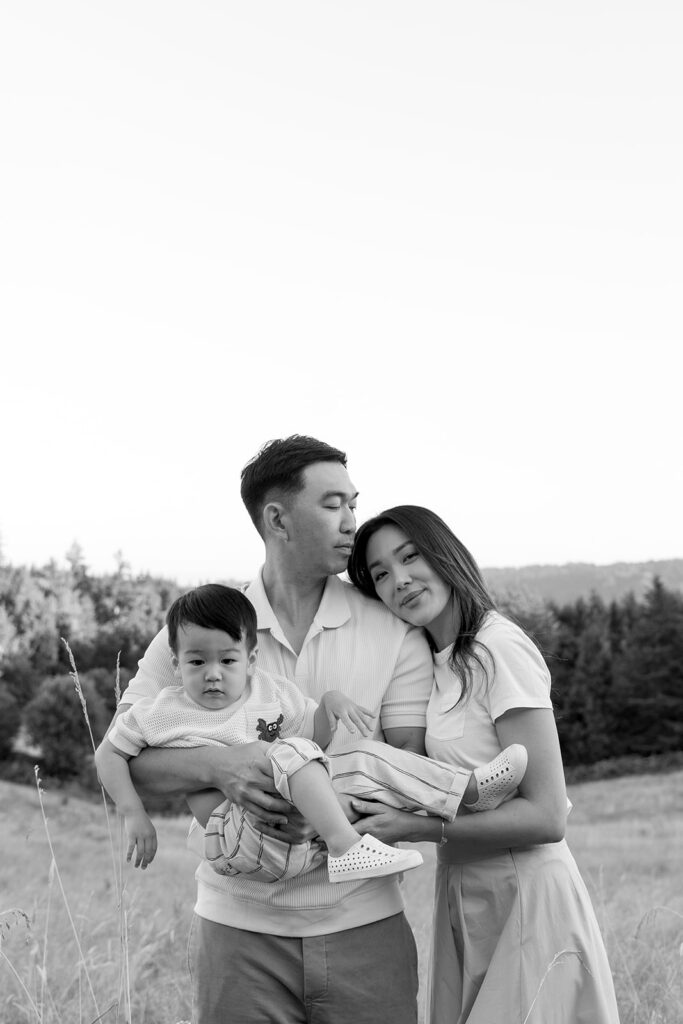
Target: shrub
[
  {"x": 19, "y": 678},
  {"x": 10, "y": 720},
  {"x": 54, "y": 722},
  {"x": 104, "y": 681}
]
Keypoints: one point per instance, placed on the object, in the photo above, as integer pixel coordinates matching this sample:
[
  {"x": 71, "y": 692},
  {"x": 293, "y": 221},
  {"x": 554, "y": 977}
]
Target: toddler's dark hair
[{"x": 213, "y": 606}]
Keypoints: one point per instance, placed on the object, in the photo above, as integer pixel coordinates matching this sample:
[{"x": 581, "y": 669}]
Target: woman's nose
[{"x": 403, "y": 578}]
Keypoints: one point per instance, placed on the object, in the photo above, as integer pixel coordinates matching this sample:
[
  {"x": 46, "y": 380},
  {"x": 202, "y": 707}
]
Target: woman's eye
[
  {"x": 378, "y": 577},
  {"x": 410, "y": 555},
  {"x": 334, "y": 508}
]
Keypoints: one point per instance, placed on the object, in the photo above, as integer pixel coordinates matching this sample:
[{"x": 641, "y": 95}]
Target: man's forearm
[
  {"x": 173, "y": 771},
  {"x": 243, "y": 774}
]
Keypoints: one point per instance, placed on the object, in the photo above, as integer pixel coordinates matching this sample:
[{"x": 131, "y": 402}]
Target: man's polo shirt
[{"x": 355, "y": 645}]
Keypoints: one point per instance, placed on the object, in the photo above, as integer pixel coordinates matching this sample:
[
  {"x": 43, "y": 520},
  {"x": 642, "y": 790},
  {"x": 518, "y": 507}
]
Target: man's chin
[{"x": 339, "y": 564}]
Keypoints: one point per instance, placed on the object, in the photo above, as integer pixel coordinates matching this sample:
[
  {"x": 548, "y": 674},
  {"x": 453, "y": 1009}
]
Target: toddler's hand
[
  {"x": 340, "y": 708},
  {"x": 141, "y": 835}
]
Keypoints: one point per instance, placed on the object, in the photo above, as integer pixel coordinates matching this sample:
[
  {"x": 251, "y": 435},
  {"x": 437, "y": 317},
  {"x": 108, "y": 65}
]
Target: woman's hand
[{"x": 383, "y": 822}]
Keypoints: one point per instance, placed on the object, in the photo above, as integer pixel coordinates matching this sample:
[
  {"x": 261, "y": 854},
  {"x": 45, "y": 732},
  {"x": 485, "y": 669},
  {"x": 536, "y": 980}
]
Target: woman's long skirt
[{"x": 516, "y": 941}]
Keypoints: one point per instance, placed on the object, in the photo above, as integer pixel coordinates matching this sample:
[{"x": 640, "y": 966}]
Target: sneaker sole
[{"x": 380, "y": 871}]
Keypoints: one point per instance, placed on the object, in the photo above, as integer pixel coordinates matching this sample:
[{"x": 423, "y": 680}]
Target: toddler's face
[{"x": 213, "y": 667}]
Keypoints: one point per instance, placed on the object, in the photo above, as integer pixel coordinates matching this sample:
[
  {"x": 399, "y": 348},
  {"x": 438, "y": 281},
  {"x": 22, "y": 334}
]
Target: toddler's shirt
[{"x": 270, "y": 707}]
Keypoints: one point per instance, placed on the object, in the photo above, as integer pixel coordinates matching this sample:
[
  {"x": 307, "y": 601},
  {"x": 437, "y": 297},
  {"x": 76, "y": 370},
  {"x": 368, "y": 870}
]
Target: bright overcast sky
[{"x": 446, "y": 237}]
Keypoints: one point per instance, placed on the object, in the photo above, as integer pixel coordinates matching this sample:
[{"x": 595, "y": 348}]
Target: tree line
[{"x": 617, "y": 667}]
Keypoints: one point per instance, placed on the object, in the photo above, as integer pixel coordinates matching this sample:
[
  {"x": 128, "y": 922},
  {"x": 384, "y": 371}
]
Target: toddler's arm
[
  {"x": 112, "y": 768},
  {"x": 335, "y": 707}
]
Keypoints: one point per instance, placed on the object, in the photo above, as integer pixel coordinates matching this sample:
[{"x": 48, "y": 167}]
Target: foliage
[
  {"x": 617, "y": 667},
  {"x": 10, "y": 720},
  {"x": 617, "y": 674},
  {"x": 53, "y": 722}
]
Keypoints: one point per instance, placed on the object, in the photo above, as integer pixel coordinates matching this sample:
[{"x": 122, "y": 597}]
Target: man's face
[{"x": 322, "y": 519}]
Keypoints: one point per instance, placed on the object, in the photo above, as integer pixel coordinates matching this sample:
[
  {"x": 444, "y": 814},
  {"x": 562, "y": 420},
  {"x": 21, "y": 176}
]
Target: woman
[{"x": 515, "y": 935}]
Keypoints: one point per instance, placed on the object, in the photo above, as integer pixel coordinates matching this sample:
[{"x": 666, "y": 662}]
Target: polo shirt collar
[{"x": 333, "y": 609}]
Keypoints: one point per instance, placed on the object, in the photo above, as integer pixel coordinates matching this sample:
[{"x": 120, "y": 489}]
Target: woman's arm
[{"x": 538, "y": 815}]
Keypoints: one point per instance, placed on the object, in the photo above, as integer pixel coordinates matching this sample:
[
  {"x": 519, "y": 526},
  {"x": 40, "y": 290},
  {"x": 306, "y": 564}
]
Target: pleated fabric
[{"x": 516, "y": 941}]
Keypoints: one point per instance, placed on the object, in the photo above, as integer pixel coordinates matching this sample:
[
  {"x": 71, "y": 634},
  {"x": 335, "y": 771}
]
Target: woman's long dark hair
[{"x": 448, "y": 557}]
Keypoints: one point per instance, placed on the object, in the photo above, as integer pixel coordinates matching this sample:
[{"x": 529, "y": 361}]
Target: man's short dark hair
[
  {"x": 213, "y": 606},
  {"x": 276, "y": 471}
]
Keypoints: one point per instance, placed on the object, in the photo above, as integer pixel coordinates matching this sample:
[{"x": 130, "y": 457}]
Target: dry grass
[
  {"x": 41, "y": 945},
  {"x": 625, "y": 833}
]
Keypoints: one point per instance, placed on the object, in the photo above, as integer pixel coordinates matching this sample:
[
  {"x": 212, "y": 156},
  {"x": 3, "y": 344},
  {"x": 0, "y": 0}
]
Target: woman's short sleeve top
[{"x": 464, "y": 733}]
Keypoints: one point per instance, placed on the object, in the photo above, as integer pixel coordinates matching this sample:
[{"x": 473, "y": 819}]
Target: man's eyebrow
[
  {"x": 338, "y": 494},
  {"x": 378, "y": 561}
]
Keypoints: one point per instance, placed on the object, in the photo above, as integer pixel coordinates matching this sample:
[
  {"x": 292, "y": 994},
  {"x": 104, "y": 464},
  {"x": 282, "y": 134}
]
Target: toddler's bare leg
[{"x": 312, "y": 794}]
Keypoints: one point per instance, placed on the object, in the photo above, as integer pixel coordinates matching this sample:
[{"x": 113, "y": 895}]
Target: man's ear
[
  {"x": 176, "y": 664},
  {"x": 251, "y": 661},
  {"x": 274, "y": 515}
]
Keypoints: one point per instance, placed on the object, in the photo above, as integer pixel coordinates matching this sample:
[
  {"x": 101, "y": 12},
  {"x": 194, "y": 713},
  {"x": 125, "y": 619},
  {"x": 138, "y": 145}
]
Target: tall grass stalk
[
  {"x": 556, "y": 961},
  {"x": 54, "y": 867},
  {"x": 17, "y": 916},
  {"x": 43, "y": 970},
  {"x": 117, "y": 862},
  {"x": 84, "y": 707}
]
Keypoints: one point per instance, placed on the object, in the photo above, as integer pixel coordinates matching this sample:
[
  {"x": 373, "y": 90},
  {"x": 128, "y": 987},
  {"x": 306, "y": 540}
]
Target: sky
[{"x": 446, "y": 238}]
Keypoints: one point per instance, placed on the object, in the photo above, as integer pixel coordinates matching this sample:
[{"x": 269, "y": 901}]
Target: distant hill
[{"x": 564, "y": 584}]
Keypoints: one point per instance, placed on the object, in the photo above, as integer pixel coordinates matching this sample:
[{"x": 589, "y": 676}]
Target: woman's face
[{"x": 404, "y": 580}]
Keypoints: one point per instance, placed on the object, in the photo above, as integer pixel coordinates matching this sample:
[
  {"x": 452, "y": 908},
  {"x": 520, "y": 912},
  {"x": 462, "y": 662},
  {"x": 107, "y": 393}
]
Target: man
[{"x": 300, "y": 950}]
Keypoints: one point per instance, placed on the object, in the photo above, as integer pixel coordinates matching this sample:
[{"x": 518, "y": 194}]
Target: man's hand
[
  {"x": 246, "y": 778},
  {"x": 295, "y": 829},
  {"x": 141, "y": 836}
]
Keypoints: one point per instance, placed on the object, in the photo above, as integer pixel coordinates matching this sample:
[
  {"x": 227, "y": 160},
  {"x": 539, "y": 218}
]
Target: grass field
[{"x": 626, "y": 834}]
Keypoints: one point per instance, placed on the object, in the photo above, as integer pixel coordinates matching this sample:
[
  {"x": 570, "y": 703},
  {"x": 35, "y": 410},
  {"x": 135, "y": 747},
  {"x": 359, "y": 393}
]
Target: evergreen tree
[{"x": 648, "y": 706}]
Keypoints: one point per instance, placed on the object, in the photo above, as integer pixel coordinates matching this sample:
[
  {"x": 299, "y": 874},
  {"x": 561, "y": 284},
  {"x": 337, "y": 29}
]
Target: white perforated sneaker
[
  {"x": 497, "y": 780},
  {"x": 370, "y": 858}
]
